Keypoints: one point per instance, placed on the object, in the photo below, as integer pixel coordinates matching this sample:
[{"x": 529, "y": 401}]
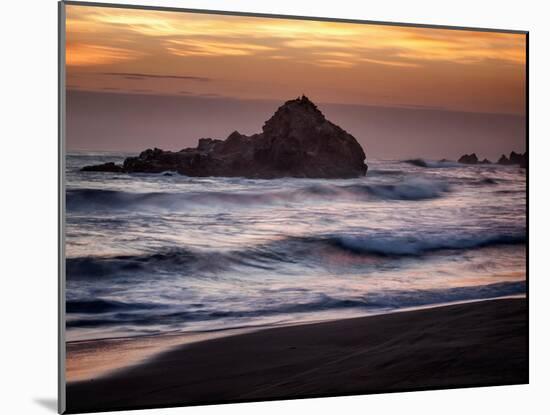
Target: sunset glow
[{"x": 264, "y": 58}]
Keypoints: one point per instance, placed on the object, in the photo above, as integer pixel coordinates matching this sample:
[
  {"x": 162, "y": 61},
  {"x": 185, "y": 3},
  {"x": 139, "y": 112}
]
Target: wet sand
[
  {"x": 91, "y": 359},
  {"x": 474, "y": 344}
]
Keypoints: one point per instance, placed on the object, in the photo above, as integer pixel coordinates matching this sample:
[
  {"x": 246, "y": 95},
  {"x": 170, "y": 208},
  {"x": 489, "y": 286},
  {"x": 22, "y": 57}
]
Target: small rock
[{"x": 468, "y": 159}]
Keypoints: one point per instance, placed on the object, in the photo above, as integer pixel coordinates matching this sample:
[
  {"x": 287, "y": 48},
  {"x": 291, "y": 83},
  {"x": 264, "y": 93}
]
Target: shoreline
[
  {"x": 469, "y": 344},
  {"x": 95, "y": 358}
]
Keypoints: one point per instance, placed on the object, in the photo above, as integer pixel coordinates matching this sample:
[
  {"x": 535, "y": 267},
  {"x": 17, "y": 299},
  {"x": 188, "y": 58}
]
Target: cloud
[
  {"x": 83, "y": 54},
  {"x": 333, "y": 63},
  {"x": 391, "y": 63},
  {"x": 397, "y": 45},
  {"x": 347, "y": 59},
  {"x": 264, "y": 58},
  {"x": 136, "y": 75},
  {"x": 199, "y": 47},
  {"x": 207, "y": 35},
  {"x": 336, "y": 54}
]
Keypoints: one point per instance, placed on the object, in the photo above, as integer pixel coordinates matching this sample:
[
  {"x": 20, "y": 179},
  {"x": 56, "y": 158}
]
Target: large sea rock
[{"x": 297, "y": 141}]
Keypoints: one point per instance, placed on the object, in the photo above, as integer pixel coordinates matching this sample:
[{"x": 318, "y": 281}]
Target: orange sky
[{"x": 205, "y": 55}]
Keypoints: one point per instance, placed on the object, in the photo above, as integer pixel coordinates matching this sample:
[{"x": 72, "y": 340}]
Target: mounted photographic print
[{"x": 260, "y": 207}]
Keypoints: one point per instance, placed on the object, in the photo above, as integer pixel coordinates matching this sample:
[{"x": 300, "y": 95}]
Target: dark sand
[{"x": 474, "y": 344}]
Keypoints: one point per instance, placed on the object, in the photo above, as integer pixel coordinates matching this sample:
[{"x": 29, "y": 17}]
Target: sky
[{"x": 127, "y": 67}]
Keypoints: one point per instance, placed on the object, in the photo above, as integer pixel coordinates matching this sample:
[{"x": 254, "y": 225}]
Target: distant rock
[
  {"x": 503, "y": 160},
  {"x": 417, "y": 162},
  {"x": 523, "y": 161},
  {"x": 468, "y": 159},
  {"x": 105, "y": 167},
  {"x": 514, "y": 159},
  {"x": 297, "y": 141}
]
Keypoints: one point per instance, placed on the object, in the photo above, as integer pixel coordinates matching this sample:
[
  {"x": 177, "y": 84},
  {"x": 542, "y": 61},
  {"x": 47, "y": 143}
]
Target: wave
[
  {"x": 385, "y": 172},
  {"x": 171, "y": 259},
  {"x": 180, "y": 261},
  {"x": 106, "y": 200},
  {"x": 478, "y": 182},
  {"x": 413, "y": 245},
  {"x": 383, "y": 300},
  {"x": 433, "y": 164},
  {"x": 410, "y": 189},
  {"x": 104, "y": 306},
  {"x": 292, "y": 251}
]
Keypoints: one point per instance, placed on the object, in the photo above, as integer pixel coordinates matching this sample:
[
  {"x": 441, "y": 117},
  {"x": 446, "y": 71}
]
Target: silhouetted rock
[
  {"x": 514, "y": 159},
  {"x": 503, "y": 160},
  {"x": 468, "y": 159},
  {"x": 523, "y": 161},
  {"x": 297, "y": 141},
  {"x": 485, "y": 161},
  {"x": 105, "y": 167},
  {"x": 520, "y": 159},
  {"x": 417, "y": 162}
]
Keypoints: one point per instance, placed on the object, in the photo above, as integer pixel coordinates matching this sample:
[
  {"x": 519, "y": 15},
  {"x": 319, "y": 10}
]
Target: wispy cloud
[
  {"x": 391, "y": 63},
  {"x": 203, "y": 35},
  {"x": 136, "y": 75},
  {"x": 333, "y": 63},
  {"x": 214, "y": 48},
  {"x": 83, "y": 54},
  {"x": 249, "y": 57}
]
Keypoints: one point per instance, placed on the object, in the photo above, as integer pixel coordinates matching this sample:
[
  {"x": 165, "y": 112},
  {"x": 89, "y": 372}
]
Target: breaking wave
[
  {"x": 104, "y": 306},
  {"x": 291, "y": 250},
  {"x": 95, "y": 199},
  {"x": 418, "y": 245},
  {"x": 433, "y": 164},
  {"x": 141, "y": 314}
]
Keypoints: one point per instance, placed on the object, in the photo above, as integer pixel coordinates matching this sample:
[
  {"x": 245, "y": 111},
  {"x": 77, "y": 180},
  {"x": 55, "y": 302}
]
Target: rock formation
[
  {"x": 417, "y": 162},
  {"x": 297, "y": 141},
  {"x": 523, "y": 161},
  {"x": 110, "y": 167},
  {"x": 514, "y": 159},
  {"x": 503, "y": 160},
  {"x": 468, "y": 159}
]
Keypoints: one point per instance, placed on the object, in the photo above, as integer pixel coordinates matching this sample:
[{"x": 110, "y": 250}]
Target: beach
[{"x": 461, "y": 345}]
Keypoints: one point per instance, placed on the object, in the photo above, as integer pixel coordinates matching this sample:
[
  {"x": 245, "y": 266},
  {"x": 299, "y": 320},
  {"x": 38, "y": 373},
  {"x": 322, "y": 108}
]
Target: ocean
[{"x": 165, "y": 253}]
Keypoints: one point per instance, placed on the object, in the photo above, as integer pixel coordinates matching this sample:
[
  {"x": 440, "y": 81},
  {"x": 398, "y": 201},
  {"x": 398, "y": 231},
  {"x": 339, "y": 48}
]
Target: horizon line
[{"x": 282, "y": 101}]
